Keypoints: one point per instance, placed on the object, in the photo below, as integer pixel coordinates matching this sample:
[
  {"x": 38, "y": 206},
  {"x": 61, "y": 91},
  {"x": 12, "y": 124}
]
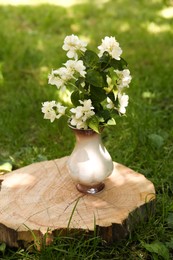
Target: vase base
[{"x": 90, "y": 189}]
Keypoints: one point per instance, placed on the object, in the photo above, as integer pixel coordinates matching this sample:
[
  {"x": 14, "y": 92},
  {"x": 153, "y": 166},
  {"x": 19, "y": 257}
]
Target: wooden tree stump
[{"x": 42, "y": 197}]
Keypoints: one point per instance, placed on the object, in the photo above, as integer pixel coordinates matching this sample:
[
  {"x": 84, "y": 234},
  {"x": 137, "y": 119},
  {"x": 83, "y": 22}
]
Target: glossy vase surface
[{"x": 89, "y": 163}]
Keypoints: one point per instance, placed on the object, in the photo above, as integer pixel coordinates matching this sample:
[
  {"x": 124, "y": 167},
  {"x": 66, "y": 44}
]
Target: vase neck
[{"x": 82, "y": 135}]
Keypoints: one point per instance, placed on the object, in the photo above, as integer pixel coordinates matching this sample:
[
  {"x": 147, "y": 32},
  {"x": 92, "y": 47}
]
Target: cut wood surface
[{"x": 42, "y": 197}]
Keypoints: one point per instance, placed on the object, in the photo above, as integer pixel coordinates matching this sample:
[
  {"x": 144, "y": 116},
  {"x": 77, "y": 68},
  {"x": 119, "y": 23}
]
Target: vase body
[{"x": 89, "y": 163}]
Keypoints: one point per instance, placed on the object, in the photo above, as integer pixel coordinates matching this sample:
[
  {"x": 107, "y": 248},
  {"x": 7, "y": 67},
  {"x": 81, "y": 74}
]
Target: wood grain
[{"x": 42, "y": 196}]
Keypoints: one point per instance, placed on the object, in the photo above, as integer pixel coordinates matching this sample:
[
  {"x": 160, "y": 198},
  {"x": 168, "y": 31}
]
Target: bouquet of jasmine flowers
[{"x": 97, "y": 84}]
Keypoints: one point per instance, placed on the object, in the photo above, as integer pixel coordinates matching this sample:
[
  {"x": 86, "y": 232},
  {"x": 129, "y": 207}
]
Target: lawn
[{"x": 30, "y": 46}]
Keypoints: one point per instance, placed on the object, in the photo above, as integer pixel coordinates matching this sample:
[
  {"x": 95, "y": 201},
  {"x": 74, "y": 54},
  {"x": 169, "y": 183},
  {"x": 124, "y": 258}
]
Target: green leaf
[
  {"x": 170, "y": 244},
  {"x": 75, "y": 97},
  {"x": 156, "y": 140},
  {"x": 105, "y": 59},
  {"x": 118, "y": 64},
  {"x": 41, "y": 158},
  {"x": 61, "y": 125},
  {"x": 79, "y": 81},
  {"x": 124, "y": 63},
  {"x": 1, "y": 75},
  {"x": 90, "y": 59},
  {"x": 94, "y": 78},
  {"x": 6, "y": 167},
  {"x": 158, "y": 248},
  {"x": 170, "y": 220},
  {"x": 105, "y": 114},
  {"x": 93, "y": 123},
  {"x": 111, "y": 122},
  {"x": 97, "y": 94},
  {"x": 2, "y": 248},
  {"x": 112, "y": 97}
]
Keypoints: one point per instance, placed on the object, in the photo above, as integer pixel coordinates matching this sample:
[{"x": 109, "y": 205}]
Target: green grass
[{"x": 30, "y": 46}]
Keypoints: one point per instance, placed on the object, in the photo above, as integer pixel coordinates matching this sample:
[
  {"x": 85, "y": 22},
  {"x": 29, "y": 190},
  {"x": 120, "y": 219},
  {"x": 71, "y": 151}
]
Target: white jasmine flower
[
  {"x": 123, "y": 103},
  {"x": 78, "y": 123},
  {"x": 81, "y": 125},
  {"x": 76, "y": 66},
  {"x": 78, "y": 111},
  {"x": 87, "y": 114},
  {"x": 51, "y": 115},
  {"x": 124, "y": 78},
  {"x": 60, "y": 77},
  {"x": 72, "y": 44},
  {"x": 60, "y": 110},
  {"x": 81, "y": 114},
  {"x": 64, "y": 73},
  {"x": 79, "y": 76},
  {"x": 79, "y": 67},
  {"x": 49, "y": 112},
  {"x": 52, "y": 110},
  {"x": 110, "y": 104},
  {"x": 55, "y": 80},
  {"x": 87, "y": 104},
  {"x": 47, "y": 106},
  {"x": 110, "y": 45}
]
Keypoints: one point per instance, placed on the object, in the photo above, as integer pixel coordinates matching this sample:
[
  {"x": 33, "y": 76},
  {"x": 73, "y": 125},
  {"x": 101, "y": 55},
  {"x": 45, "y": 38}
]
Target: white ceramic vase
[{"x": 89, "y": 163}]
